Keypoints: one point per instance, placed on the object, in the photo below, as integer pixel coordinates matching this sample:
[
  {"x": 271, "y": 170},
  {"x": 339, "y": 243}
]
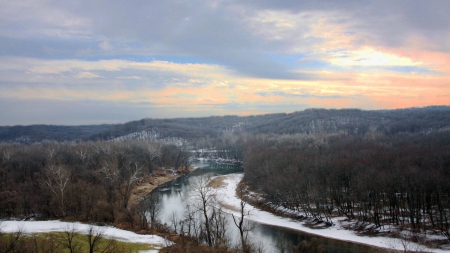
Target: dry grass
[
  {"x": 217, "y": 182},
  {"x": 230, "y": 207},
  {"x": 54, "y": 242}
]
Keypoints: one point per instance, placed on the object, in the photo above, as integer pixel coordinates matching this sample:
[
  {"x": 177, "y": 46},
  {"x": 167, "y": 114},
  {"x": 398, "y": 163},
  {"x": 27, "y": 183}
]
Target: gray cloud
[
  {"x": 215, "y": 33},
  {"x": 187, "y": 28},
  {"x": 230, "y": 36},
  {"x": 384, "y": 21}
]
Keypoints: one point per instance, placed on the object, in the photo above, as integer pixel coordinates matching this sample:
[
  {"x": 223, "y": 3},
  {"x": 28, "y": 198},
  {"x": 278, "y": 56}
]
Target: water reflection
[{"x": 173, "y": 197}]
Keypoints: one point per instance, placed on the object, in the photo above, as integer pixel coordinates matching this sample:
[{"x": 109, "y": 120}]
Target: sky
[{"x": 109, "y": 61}]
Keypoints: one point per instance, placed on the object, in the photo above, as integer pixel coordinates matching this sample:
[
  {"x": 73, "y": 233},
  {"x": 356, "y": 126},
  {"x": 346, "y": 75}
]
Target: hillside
[
  {"x": 352, "y": 121},
  {"x": 37, "y": 133}
]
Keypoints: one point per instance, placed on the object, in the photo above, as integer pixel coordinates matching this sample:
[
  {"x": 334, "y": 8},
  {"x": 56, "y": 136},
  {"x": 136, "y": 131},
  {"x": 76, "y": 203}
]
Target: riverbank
[
  {"x": 339, "y": 231},
  {"x": 150, "y": 182}
]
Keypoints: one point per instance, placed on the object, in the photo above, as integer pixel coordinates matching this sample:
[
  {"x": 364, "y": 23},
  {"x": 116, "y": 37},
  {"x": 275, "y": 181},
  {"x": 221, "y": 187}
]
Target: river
[{"x": 172, "y": 200}]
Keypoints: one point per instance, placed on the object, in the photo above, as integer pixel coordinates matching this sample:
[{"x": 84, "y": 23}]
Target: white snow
[
  {"x": 228, "y": 197},
  {"x": 58, "y": 226}
]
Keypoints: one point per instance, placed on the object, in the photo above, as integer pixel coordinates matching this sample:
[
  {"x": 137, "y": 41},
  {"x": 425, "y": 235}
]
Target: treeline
[
  {"x": 87, "y": 181},
  {"x": 401, "y": 180},
  {"x": 39, "y": 133},
  {"x": 310, "y": 121}
]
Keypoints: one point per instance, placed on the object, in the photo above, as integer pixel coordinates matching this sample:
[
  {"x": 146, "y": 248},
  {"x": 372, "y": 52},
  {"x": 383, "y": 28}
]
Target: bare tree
[
  {"x": 204, "y": 197},
  {"x": 148, "y": 210},
  {"x": 56, "y": 180},
  {"x": 12, "y": 242},
  {"x": 51, "y": 153},
  {"x": 70, "y": 232},
  {"x": 110, "y": 247},
  {"x": 154, "y": 150},
  {"x": 82, "y": 154},
  {"x": 93, "y": 237},
  {"x": 154, "y": 208},
  {"x": 127, "y": 183},
  {"x": 212, "y": 229},
  {"x": 142, "y": 213},
  {"x": 112, "y": 173},
  {"x": 189, "y": 222},
  {"x": 174, "y": 221},
  {"x": 50, "y": 244},
  {"x": 244, "y": 227},
  {"x": 7, "y": 155}
]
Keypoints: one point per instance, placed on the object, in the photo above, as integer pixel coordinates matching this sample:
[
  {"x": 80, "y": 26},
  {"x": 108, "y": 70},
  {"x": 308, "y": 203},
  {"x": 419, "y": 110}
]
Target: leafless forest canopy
[
  {"x": 401, "y": 180},
  {"x": 87, "y": 181},
  {"x": 352, "y": 121},
  {"x": 379, "y": 167}
]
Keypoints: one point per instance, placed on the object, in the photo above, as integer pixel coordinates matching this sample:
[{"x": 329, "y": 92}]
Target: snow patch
[{"x": 59, "y": 226}]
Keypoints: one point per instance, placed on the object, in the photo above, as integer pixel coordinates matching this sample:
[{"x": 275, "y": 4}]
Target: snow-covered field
[
  {"x": 109, "y": 232},
  {"x": 228, "y": 198}
]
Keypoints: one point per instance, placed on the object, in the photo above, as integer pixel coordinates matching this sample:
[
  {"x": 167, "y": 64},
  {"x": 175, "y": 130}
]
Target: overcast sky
[{"x": 107, "y": 61}]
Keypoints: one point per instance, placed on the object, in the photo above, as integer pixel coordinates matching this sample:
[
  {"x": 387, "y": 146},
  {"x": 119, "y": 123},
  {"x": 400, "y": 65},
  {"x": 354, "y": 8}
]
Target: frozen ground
[
  {"x": 228, "y": 197},
  {"x": 110, "y": 232}
]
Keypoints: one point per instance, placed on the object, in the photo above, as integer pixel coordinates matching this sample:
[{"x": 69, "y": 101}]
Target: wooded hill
[
  {"x": 38, "y": 133},
  {"x": 352, "y": 121}
]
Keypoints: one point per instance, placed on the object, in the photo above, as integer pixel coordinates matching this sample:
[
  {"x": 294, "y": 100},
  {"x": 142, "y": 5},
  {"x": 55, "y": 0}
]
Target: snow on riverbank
[
  {"x": 229, "y": 199},
  {"x": 58, "y": 226}
]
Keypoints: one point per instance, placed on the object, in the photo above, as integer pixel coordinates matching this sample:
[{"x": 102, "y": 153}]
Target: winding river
[{"x": 172, "y": 200}]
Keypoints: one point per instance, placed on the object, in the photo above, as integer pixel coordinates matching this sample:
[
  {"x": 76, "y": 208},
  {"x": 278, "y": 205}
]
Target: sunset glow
[{"x": 114, "y": 62}]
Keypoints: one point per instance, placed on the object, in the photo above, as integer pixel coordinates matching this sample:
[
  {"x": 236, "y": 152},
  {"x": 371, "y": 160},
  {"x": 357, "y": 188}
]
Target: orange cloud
[{"x": 199, "y": 86}]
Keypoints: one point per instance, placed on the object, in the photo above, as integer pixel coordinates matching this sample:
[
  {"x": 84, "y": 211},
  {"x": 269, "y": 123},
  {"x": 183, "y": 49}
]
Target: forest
[
  {"x": 310, "y": 121},
  {"x": 386, "y": 168},
  {"x": 88, "y": 181},
  {"x": 401, "y": 180}
]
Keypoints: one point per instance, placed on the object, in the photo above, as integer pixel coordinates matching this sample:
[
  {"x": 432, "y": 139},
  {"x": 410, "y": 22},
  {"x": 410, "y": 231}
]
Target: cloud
[
  {"x": 222, "y": 57},
  {"x": 298, "y": 95},
  {"x": 105, "y": 45},
  {"x": 384, "y": 22},
  {"x": 41, "y": 18},
  {"x": 234, "y": 34},
  {"x": 369, "y": 57}
]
